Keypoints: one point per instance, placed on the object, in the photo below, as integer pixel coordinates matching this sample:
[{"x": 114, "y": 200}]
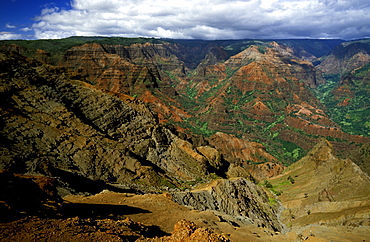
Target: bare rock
[
  {"x": 51, "y": 122},
  {"x": 239, "y": 198},
  {"x": 186, "y": 231}
]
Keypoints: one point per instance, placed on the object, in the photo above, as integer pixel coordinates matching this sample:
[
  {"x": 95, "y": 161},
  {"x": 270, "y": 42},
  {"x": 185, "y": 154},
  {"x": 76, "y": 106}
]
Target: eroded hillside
[
  {"x": 51, "y": 124},
  {"x": 153, "y": 140}
]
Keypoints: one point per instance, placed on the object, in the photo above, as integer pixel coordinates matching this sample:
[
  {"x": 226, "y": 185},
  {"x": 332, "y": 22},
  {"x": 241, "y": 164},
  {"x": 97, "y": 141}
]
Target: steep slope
[
  {"x": 141, "y": 70},
  {"x": 144, "y": 70},
  {"x": 362, "y": 157},
  {"x": 347, "y": 102},
  {"x": 321, "y": 189},
  {"x": 262, "y": 95},
  {"x": 54, "y": 122},
  {"x": 259, "y": 95},
  {"x": 346, "y": 57},
  {"x": 346, "y": 92},
  {"x": 51, "y": 124},
  {"x": 240, "y": 199}
]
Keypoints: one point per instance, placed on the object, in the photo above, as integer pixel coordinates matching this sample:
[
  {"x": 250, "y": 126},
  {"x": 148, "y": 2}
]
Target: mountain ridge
[
  {"x": 239, "y": 138},
  {"x": 156, "y": 72}
]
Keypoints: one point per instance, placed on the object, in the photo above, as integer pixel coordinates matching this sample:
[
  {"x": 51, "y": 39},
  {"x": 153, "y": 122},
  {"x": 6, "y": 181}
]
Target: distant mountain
[
  {"x": 346, "y": 57},
  {"x": 262, "y": 94},
  {"x": 258, "y": 91},
  {"x": 346, "y": 92},
  {"x": 257, "y": 140}
]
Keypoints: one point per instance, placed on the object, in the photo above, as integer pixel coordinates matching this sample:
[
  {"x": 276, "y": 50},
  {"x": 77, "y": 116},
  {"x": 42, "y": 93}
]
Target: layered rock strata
[
  {"x": 51, "y": 122},
  {"x": 323, "y": 189},
  {"x": 238, "y": 198}
]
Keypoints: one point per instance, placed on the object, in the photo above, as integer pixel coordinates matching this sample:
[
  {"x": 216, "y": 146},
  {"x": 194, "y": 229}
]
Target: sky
[{"x": 186, "y": 19}]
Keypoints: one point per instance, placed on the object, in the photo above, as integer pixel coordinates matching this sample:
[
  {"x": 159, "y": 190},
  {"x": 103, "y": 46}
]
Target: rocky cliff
[
  {"x": 239, "y": 198},
  {"x": 260, "y": 96},
  {"x": 52, "y": 123},
  {"x": 263, "y": 94},
  {"x": 200, "y": 111}
]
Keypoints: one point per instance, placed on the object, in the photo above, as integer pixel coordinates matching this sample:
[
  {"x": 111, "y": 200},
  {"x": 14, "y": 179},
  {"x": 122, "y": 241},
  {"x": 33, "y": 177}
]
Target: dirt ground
[
  {"x": 110, "y": 216},
  {"x": 159, "y": 211}
]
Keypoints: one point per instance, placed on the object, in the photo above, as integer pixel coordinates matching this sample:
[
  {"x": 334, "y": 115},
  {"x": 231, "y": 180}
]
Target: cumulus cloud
[
  {"x": 208, "y": 19},
  {"x": 9, "y": 35}
]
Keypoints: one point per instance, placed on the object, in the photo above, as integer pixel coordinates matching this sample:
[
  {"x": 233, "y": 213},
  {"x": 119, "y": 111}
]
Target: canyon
[{"x": 163, "y": 140}]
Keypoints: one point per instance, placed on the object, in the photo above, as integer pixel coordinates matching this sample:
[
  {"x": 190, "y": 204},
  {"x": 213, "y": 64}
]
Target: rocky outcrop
[
  {"x": 50, "y": 122},
  {"x": 264, "y": 170},
  {"x": 280, "y": 60},
  {"x": 109, "y": 67},
  {"x": 238, "y": 198},
  {"x": 188, "y": 231},
  {"x": 137, "y": 70},
  {"x": 249, "y": 159}
]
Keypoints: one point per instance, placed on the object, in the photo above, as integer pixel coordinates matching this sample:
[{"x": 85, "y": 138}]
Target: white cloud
[
  {"x": 9, "y": 35},
  {"x": 207, "y": 19},
  {"x": 47, "y": 11},
  {"x": 9, "y": 26},
  {"x": 26, "y": 29}
]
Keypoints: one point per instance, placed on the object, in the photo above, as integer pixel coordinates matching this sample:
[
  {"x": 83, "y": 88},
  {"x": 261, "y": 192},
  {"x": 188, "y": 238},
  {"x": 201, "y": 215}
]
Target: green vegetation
[
  {"x": 262, "y": 49},
  {"x": 285, "y": 151},
  {"x": 272, "y": 201},
  {"x": 291, "y": 179},
  {"x": 267, "y": 184},
  {"x": 237, "y": 103},
  {"x": 197, "y": 127},
  {"x": 347, "y": 100},
  {"x": 271, "y": 188},
  {"x": 278, "y": 120},
  {"x": 56, "y": 47},
  {"x": 230, "y": 72}
]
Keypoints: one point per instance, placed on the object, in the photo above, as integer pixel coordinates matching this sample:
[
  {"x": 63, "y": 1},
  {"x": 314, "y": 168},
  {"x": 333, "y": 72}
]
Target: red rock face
[
  {"x": 235, "y": 148},
  {"x": 260, "y": 93},
  {"x": 164, "y": 112},
  {"x": 107, "y": 70},
  {"x": 263, "y": 95},
  {"x": 134, "y": 70}
]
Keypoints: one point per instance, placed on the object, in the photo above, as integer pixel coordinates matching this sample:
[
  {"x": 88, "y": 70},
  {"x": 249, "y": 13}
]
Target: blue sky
[
  {"x": 18, "y": 16},
  {"x": 190, "y": 19}
]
